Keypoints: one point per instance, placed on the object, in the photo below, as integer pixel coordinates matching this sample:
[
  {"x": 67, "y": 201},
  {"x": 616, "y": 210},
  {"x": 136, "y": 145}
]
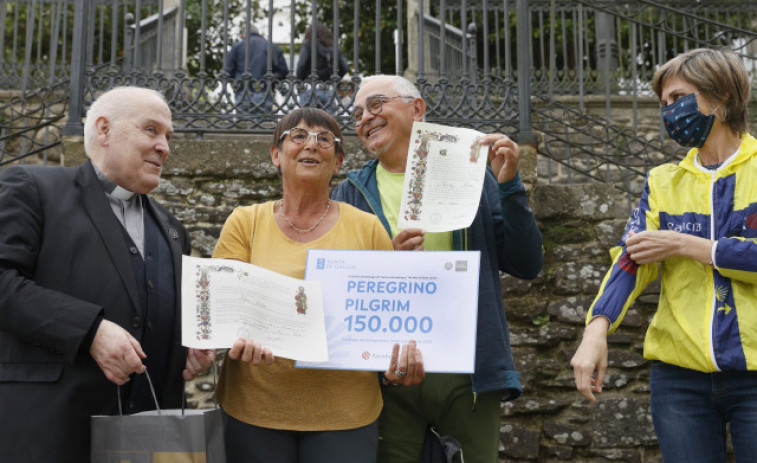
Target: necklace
[{"x": 295, "y": 227}]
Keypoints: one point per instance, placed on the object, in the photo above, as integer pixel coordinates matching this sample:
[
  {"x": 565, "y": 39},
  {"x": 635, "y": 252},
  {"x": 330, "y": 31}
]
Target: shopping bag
[
  {"x": 194, "y": 436},
  {"x": 159, "y": 436}
]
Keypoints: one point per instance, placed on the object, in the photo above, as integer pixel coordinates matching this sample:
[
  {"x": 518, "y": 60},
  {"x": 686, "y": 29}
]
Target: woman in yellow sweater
[{"x": 275, "y": 412}]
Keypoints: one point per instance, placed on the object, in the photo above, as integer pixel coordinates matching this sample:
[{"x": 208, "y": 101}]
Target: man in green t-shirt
[{"x": 504, "y": 230}]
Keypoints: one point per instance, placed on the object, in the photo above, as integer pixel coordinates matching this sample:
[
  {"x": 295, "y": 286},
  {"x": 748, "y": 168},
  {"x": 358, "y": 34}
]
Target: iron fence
[
  {"x": 524, "y": 67},
  {"x": 201, "y": 92},
  {"x": 609, "y": 71},
  {"x": 29, "y": 124}
]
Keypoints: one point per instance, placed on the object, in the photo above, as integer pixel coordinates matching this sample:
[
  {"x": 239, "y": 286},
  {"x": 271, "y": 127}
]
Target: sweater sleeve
[
  {"x": 303, "y": 63},
  {"x": 736, "y": 258},
  {"x": 343, "y": 66},
  {"x": 280, "y": 68},
  {"x": 626, "y": 279},
  {"x": 235, "y": 241},
  {"x": 519, "y": 240}
]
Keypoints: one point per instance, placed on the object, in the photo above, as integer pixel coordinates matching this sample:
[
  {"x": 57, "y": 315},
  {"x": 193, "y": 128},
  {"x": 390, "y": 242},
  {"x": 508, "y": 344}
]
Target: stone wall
[{"x": 551, "y": 422}]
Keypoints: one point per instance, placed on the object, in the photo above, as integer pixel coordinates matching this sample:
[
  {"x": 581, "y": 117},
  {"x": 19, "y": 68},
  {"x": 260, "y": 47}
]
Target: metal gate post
[
  {"x": 82, "y": 12},
  {"x": 526, "y": 135}
]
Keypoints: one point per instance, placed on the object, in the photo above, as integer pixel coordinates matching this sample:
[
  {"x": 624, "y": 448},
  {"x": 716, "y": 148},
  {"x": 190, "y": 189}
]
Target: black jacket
[
  {"x": 63, "y": 263},
  {"x": 324, "y": 63},
  {"x": 258, "y": 59}
]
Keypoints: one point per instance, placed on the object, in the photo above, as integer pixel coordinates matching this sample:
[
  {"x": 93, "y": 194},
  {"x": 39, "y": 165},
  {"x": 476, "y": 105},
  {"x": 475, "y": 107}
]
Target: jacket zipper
[{"x": 714, "y": 308}]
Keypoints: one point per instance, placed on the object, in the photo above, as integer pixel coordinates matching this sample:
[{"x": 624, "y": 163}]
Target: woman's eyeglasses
[{"x": 324, "y": 139}]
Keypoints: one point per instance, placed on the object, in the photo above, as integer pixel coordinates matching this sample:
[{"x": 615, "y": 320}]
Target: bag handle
[
  {"x": 152, "y": 391},
  {"x": 213, "y": 368}
]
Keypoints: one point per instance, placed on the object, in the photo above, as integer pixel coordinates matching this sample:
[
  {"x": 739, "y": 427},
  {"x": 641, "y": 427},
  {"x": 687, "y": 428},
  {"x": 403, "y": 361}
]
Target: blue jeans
[
  {"x": 246, "y": 443},
  {"x": 250, "y": 101},
  {"x": 690, "y": 410},
  {"x": 324, "y": 99}
]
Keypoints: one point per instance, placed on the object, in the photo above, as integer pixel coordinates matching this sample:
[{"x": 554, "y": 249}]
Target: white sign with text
[{"x": 374, "y": 299}]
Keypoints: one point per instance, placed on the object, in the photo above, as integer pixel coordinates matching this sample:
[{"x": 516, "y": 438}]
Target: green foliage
[
  {"x": 541, "y": 320},
  {"x": 17, "y": 21},
  {"x": 366, "y": 35},
  {"x": 216, "y": 36}
]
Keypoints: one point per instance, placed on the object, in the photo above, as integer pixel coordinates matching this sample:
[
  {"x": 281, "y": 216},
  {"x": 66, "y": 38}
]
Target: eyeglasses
[
  {"x": 375, "y": 104},
  {"x": 324, "y": 139}
]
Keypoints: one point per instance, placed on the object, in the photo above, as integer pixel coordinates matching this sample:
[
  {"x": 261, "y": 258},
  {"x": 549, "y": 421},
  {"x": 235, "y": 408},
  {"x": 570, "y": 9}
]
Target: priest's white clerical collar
[
  {"x": 111, "y": 188},
  {"x": 122, "y": 193}
]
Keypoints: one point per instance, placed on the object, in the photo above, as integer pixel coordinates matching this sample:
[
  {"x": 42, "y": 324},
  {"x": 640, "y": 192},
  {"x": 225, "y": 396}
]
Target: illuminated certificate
[
  {"x": 373, "y": 299},
  {"x": 443, "y": 178},
  {"x": 223, "y": 300}
]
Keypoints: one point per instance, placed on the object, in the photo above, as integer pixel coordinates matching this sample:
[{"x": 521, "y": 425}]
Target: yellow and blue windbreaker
[{"x": 706, "y": 319}]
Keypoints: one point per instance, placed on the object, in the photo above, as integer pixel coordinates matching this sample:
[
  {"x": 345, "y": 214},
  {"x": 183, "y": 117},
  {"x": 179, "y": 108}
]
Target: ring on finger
[{"x": 399, "y": 373}]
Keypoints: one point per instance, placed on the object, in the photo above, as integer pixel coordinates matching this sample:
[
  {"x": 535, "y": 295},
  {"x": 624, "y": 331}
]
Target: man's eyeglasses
[
  {"x": 375, "y": 104},
  {"x": 324, "y": 139}
]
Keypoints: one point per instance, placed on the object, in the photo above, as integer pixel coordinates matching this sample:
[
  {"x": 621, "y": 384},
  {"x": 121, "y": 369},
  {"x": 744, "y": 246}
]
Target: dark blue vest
[{"x": 157, "y": 301}]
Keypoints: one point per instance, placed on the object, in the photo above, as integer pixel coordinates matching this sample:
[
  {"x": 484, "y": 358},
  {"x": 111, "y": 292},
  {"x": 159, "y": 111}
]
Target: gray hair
[{"x": 398, "y": 83}]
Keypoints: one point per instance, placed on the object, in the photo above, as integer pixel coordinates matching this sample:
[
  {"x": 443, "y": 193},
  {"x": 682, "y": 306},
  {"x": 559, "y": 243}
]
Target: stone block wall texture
[{"x": 203, "y": 181}]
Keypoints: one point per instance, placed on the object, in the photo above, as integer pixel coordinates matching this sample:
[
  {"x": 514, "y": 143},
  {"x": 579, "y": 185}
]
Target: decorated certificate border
[
  {"x": 418, "y": 167},
  {"x": 443, "y": 178},
  {"x": 204, "y": 320},
  {"x": 224, "y": 300}
]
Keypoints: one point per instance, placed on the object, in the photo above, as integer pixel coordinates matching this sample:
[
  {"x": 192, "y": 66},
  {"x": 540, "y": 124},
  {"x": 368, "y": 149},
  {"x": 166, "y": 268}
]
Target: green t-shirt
[{"x": 390, "y": 191}]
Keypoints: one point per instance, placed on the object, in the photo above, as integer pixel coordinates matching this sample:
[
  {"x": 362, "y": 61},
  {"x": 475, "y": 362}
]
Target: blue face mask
[{"x": 685, "y": 123}]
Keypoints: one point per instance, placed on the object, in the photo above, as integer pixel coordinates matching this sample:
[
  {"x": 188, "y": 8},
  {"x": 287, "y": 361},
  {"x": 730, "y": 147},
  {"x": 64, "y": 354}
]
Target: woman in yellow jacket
[{"x": 698, "y": 219}]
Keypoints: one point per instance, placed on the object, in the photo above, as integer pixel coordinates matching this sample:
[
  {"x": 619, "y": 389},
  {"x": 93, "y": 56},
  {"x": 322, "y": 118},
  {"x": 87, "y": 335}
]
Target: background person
[
  {"x": 697, "y": 220},
  {"x": 325, "y": 95},
  {"x": 275, "y": 412},
  {"x": 89, "y": 285},
  {"x": 465, "y": 407},
  {"x": 247, "y": 62}
]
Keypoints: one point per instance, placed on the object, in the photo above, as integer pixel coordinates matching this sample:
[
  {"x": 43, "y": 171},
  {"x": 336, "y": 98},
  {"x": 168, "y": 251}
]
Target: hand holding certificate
[
  {"x": 443, "y": 178},
  {"x": 224, "y": 300}
]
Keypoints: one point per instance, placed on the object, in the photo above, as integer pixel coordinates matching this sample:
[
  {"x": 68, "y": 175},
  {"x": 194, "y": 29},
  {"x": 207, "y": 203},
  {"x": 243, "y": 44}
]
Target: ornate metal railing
[
  {"x": 28, "y": 58},
  {"x": 706, "y": 24},
  {"x": 203, "y": 100},
  {"x": 591, "y": 149},
  {"x": 604, "y": 135},
  {"x": 28, "y": 131}
]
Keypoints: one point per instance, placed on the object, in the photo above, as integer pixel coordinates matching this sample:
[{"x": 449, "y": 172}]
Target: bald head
[
  {"x": 114, "y": 105},
  {"x": 126, "y": 136}
]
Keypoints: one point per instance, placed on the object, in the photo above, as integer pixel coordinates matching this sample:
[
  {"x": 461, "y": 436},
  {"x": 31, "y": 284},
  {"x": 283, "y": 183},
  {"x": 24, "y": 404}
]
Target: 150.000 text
[{"x": 396, "y": 324}]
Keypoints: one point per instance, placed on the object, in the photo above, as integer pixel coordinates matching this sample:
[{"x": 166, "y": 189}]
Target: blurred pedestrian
[
  {"x": 327, "y": 54},
  {"x": 247, "y": 64}
]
